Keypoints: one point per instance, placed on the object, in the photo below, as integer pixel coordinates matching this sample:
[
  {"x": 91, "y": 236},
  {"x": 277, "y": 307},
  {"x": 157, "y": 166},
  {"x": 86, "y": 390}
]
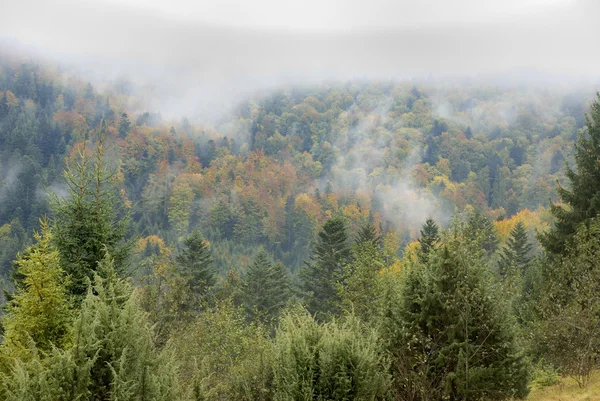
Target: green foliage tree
[
  {"x": 124, "y": 125},
  {"x": 112, "y": 356},
  {"x": 38, "y": 317},
  {"x": 450, "y": 336},
  {"x": 582, "y": 199},
  {"x": 360, "y": 291},
  {"x": 517, "y": 252},
  {"x": 330, "y": 361},
  {"x": 429, "y": 236},
  {"x": 195, "y": 263},
  {"x": 568, "y": 334},
  {"x": 266, "y": 288},
  {"x": 482, "y": 228},
  {"x": 321, "y": 277},
  {"x": 89, "y": 222}
]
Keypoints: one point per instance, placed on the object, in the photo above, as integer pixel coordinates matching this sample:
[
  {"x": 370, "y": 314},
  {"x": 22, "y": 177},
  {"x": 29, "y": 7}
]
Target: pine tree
[
  {"x": 38, "y": 314},
  {"x": 266, "y": 288},
  {"x": 516, "y": 253},
  {"x": 196, "y": 264},
  {"x": 450, "y": 335},
  {"x": 89, "y": 221},
  {"x": 321, "y": 277},
  {"x": 429, "y": 236},
  {"x": 582, "y": 200}
]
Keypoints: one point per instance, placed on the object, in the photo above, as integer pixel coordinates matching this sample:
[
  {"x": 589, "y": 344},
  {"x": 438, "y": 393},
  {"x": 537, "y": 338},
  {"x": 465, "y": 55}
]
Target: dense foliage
[{"x": 365, "y": 241}]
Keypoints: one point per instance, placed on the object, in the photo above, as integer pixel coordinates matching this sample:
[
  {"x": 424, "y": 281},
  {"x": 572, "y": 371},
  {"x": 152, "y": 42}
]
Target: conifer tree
[
  {"x": 124, "y": 125},
  {"x": 89, "y": 221},
  {"x": 429, "y": 236},
  {"x": 112, "y": 356},
  {"x": 582, "y": 199},
  {"x": 195, "y": 263},
  {"x": 516, "y": 253},
  {"x": 266, "y": 288},
  {"x": 568, "y": 333},
  {"x": 450, "y": 336},
  {"x": 330, "y": 361},
  {"x": 360, "y": 290},
  {"x": 321, "y": 277},
  {"x": 38, "y": 314},
  {"x": 482, "y": 228}
]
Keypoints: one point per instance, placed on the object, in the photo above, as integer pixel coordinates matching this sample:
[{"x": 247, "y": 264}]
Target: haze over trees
[{"x": 368, "y": 241}]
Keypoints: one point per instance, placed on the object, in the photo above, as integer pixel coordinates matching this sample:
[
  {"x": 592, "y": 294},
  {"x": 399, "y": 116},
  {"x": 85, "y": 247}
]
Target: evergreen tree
[
  {"x": 368, "y": 234},
  {"x": 266, "y": 288},
  {"x": 38, "y": 314},
  {"x": 331, "y": 361},
  {"x": 360, "y": 289},
  {"x": 429, "y": 236},
  {"x": 321, "y": 277},
  {"x": 450, "y": 335},
  {"x": 89, "y": 221},
  {"x": 124, "y": 125},
  {"x": 516, "y": 253},
  {"x": 482, "y": 228},
  {"x": 195, "y": 263},
  {"x": 582, "y": 199},
  {"x": 568, "y": 334},
  {"x": 112, "y": 356}
]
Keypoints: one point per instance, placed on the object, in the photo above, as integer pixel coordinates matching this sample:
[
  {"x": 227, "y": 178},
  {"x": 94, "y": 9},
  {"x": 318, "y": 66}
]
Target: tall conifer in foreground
[
  {"x": 88, "y": 222},
  {"x": 321, "y": 277},
  {"x": 451, "y": 337},
  {"x": 266, "y": 288},
  {"x": 582, "y": 199},
  {"x": 38, "y": 317}
]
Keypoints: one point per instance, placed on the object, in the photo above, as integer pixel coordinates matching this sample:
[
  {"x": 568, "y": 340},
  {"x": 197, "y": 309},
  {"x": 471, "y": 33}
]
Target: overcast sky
[{"x": 197, "y": 50}]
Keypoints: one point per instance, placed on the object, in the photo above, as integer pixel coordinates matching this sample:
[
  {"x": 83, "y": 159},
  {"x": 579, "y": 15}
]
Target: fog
[{"x": 199, "y": 58}]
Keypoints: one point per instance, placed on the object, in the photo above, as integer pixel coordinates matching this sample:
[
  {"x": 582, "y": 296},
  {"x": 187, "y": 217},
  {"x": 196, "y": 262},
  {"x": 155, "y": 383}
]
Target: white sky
[{"x": 327, "y": 15}]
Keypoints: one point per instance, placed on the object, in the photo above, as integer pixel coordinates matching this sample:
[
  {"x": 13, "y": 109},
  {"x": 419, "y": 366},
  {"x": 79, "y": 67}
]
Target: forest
[{"x": 360, "y": 240}]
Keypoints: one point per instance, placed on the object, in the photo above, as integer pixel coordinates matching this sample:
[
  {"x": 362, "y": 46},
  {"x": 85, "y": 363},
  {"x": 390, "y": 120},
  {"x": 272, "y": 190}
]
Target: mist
[{"x": 191, "y": 67}]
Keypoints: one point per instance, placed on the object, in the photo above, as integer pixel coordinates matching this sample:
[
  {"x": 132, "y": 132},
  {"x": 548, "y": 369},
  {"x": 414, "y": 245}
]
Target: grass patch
[{"x": 568, "y": 390}]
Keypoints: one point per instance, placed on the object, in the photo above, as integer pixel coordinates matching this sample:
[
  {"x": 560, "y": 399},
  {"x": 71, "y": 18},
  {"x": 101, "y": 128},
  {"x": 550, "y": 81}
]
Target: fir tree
[
  {"x": 516, "y": 253},
  {"x": 38, "y": 314},
  {"x": 266, "y": 288},
  {"x": 112, "y": 356},
  {"x": 321, "y": 277},
  {"x": 429, "y": 236},
  {"x": 450, "y": 335},
  {"x": 360, "y": 290},
  {"x": 582, "y": 199},
  {"x": 89, "y": 221},
  {"x": 480, "y": 227},
  {"x": 196, "y": 264},
  {"x": 124, "y": 125}
]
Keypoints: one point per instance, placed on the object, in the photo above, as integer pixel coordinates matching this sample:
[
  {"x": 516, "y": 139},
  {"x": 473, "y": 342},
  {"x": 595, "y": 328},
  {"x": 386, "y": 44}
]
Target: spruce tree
[
  {"x": 451, "y": 336},
  {"x": 89, "y": 221},
  {"x": 359, "y": 291},
  {"x": 195, "y": 263},
  {"x": 482, "y": 228},
  {"x": 322, "y": 276},
  {"x": 266, "y": 288},
  {"x": 112, "y": 356},
  {"x": 429, "y": 236},
  {"x": 568, "y": 333},
  {"x": 38, "y": 314},
  {"x": 516, "y": 253},
  {"x": 582, "y": 199}
]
